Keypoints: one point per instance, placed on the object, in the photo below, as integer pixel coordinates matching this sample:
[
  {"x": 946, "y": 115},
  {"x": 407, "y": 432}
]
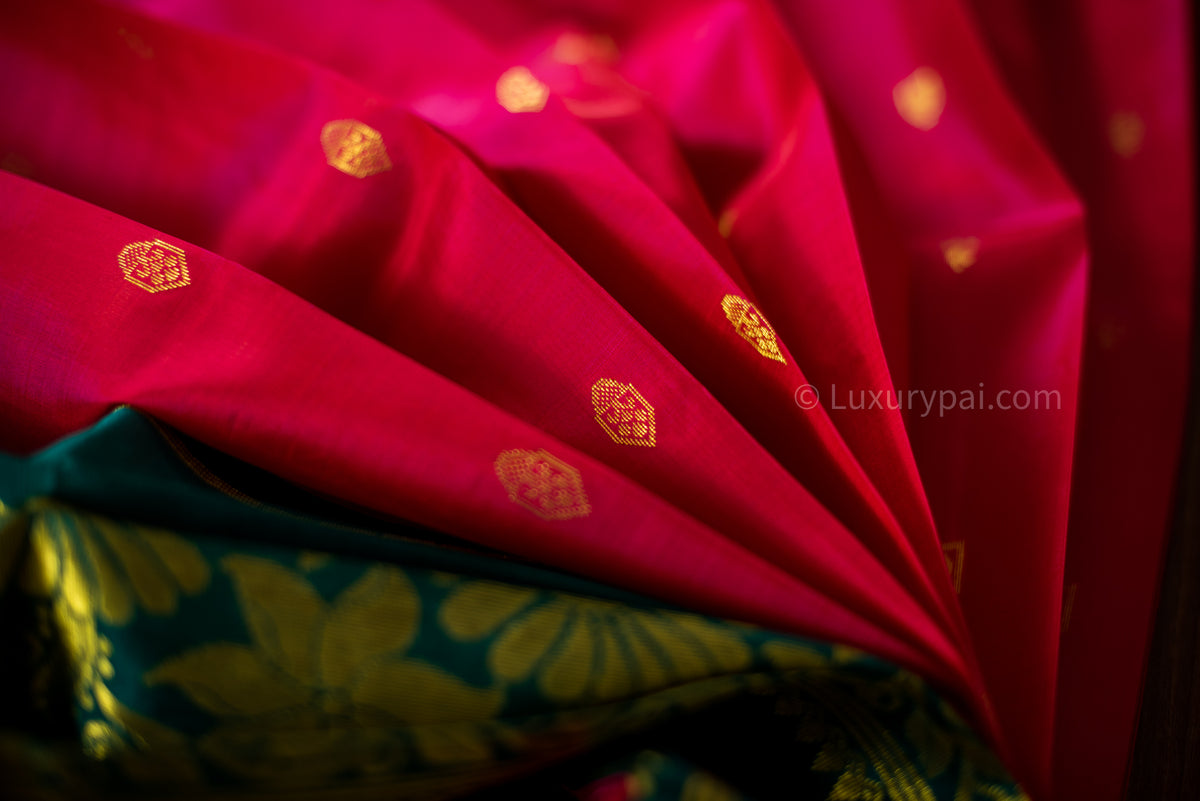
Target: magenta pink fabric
[
  {"x": 791, "y": 232},
  {"x": 1108, "y": 87}
]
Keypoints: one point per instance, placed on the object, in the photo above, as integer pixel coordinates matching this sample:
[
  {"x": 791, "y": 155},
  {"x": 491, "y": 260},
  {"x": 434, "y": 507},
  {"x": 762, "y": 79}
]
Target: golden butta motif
[
  {"x": 961, "y": 252},
  {"x": 520, "y": 92},
  {"x": 154, "y": 265},
  {"x": 920, "y": 98},
  {"x": 752, "y": 326},
  {"x": 542, "y": 483},
  {"x": 355, "y": 148},
  {"x": 624, "y": 414}
]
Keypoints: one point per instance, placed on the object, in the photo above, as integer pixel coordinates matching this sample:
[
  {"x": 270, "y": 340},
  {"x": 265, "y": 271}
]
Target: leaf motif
[
  {"x": 478, "y": 608},
  {"x": 183, "y": 559},
  {"x": 229, "y": 680},
  {"x": 525, "y": 641},
  {"x": 114, "y": 600},
  {"x": 74, "y": 588},
  {"x": 148, "y": 580},
  {"x": 568, "y": 674},
  {"x": 282, "y": 611},
  {"x": 40, "y": 575},
  {"x": 725, "y": 648},
  {"x": 419, "y": 693},
  {"x": 375, "y": 616},
  {"x": 854, "y": 785},
  {"x": 845, "y": 655},
  {"x": 614, "y": 678},
  {"x": 651, "y": 671},
  {"x": 681, "y": 651},
  {"x": 791, "y": 655}
]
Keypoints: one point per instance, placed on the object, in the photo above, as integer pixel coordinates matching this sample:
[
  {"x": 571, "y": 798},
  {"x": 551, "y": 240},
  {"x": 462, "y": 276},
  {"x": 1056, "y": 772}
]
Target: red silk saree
[{"x": 863, "y": 322}]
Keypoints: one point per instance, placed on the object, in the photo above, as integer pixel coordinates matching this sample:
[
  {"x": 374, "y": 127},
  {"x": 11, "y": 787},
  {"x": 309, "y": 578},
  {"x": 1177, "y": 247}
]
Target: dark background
[{"x": 1166, "y": 755}]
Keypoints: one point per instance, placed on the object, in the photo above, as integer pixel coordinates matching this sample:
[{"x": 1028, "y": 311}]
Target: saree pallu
[{"x": 212, "y": 649}]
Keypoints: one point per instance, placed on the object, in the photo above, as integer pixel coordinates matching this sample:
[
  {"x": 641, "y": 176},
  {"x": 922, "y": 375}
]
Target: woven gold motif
[
  {"x": 752, "y": 327},
  {"x": 519, "y": 92},
  {"x": 920, "y": 98},
  {"x": 623, "y": 413},
  {"x": 355, "y": 148},
  {"x": 543, "y": 484},
  {"x": 154, "y": 266},
  {"x": 960, "y": 253}
]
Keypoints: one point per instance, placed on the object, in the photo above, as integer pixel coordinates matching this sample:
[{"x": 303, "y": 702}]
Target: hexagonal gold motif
[
  {"x": 623, "y": 413},
  {"x": 155, "y": 266},
  {"x": 543, "y": 484},
  {"x": 355, "y": 148},
  {"x": 752, "y": 327}
]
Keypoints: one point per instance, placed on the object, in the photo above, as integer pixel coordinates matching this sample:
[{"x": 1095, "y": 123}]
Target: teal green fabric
[{"x": 165, "y": 632}]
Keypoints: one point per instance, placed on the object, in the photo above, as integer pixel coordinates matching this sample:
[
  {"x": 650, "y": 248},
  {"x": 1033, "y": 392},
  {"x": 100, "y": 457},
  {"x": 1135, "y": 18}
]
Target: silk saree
[{"x": 714, "y": 399}]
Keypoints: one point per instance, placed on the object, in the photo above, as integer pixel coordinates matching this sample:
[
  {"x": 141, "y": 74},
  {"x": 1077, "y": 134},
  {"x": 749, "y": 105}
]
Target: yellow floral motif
[
  {"x": 854, "y": 785},
  {"x": 324, "y": 688},
  {"x": 793, "y": 655},
  {"x": 836, "y": 754},
  {"x": 842, "y": 714},
  {"x": 543, "y": 484},
  {"x": 94, "y": 567},
  {"x": 626, "y": 416},
  {"x": 752, "y": 326},
  {"x": 111, "y": 567},
  {"x": 586, "y": 650},
  {"x": 898, "y": 776},
  {"x": 88, "y": 567}
]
